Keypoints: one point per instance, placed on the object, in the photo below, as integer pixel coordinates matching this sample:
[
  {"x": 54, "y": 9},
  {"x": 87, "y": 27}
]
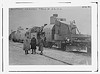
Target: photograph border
[{"x": 49, "y": 71}]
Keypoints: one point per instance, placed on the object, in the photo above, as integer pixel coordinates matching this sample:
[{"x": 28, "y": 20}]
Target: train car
[
  {"x": 57, "y": 31},
  {"x": 36, "y": 32},
  {"x": 63, "y": 35},
  {"x": 12, "y": 36},
  {"x": 18, "y": 36}
]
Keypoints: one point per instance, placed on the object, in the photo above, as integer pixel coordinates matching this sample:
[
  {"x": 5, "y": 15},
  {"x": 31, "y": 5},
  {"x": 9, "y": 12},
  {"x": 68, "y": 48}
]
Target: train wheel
[{"x": 49, "y": 44}]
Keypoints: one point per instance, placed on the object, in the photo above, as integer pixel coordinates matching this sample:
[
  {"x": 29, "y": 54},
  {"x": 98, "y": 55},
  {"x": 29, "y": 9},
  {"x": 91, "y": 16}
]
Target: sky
[{"x": 29, "y": 17}]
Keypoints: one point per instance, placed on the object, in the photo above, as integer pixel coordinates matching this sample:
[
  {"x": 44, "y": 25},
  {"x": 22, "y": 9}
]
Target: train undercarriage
[{"x": 70, "y": 46}]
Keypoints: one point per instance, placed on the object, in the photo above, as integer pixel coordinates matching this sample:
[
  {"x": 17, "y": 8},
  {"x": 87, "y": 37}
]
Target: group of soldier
[{"x": 31, "y": 44}]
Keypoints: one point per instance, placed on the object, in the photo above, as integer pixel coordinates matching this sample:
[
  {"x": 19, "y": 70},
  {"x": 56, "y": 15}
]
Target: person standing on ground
[
  {"x": 41, "y": 45},
  {"x": 33, "y": 45},
  {"x": 26, "y": 45}
]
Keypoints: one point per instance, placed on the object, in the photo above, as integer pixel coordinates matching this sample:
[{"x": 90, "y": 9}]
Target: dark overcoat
[
  {"x": 33, "y": 43},
  {"x": 41, "y": 44}
]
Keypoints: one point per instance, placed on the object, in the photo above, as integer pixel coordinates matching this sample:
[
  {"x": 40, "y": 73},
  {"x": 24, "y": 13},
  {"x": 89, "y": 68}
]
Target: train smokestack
[
  {"x": 55, "y": 15},
  {"x": 53, "y": 18}
]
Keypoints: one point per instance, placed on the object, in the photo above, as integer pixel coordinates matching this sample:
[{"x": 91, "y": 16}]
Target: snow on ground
[{"x": 49, "y": 57}]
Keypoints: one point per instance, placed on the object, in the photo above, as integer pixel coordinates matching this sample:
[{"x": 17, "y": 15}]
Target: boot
[
  {"x": 32, "y": 51},
  {"x": 41, "y": 53},
  {"x": 27, "y": 52}
]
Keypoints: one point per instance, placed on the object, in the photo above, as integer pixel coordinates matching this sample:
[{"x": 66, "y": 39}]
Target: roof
[
  {"x": 65, "y": 22},
  {"x": 50, "y": 26}
]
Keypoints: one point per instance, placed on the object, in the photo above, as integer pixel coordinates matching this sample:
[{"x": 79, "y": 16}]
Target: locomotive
[{"x": 64, "y": 36}]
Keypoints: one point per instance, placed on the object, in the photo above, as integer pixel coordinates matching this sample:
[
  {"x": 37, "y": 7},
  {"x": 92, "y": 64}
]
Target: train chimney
[
  {"x": 55, "y": 15},
  {"x": 53, "y": 18}
]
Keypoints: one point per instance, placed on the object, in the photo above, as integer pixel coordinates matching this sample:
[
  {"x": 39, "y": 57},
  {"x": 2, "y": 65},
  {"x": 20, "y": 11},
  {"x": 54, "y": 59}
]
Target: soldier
[
  {"x": 33, "y": 45},
  {"x": 26, "y": 45},
  {"x": 41, "y": 45}
]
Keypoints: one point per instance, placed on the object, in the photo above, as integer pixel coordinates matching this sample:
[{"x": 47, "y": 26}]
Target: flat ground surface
[{"x": 49, "y": 57}]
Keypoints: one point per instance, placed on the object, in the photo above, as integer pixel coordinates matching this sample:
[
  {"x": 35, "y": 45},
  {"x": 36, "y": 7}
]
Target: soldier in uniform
[
  {"x": 41, "y": 45},
  {"x": 33, "y": 45},
  {"x": 26, "y": 45}
]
